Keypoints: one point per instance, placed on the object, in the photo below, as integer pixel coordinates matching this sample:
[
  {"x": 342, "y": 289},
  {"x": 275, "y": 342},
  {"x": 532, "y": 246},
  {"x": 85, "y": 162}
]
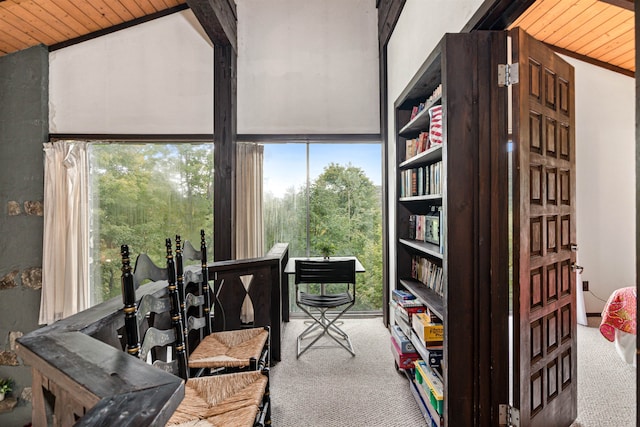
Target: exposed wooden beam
[
  {"x": 625, "y": 4},
  {"x": 224, "y": 158},
  {"x": 496, "y": 14},
  {"x": 592, "y": 61},
  {"x": 219, "y": 19},
  {"x": 388, "y": 14}
]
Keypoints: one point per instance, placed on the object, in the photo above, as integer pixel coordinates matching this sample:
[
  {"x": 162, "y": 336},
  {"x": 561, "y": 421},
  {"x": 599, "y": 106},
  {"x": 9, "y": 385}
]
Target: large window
[
  {"x": 140, "y": 195},
  {"x": 327, "y": 198}
]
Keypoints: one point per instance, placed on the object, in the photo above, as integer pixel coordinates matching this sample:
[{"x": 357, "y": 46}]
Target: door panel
[{"x": 545, "y": 384}]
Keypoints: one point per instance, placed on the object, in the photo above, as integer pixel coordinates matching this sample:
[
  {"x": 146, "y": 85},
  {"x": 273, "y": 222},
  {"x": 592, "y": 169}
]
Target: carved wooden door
[{"x": 544, "y": 221}]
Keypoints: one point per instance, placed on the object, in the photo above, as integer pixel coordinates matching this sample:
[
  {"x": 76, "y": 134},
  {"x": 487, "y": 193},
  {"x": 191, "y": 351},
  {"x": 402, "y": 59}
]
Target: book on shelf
[
  {"x": 427, "y": 228},
  {"x": 418, "y": 145},
  {"x": 412, "y": 305},
  {"x": 401, "y": 295},
  {"x": 403, "y": 342},
  {"x": 421, "y": 181},
  {"x": 428, "y": 103},
  {"x": 428, "y": 273}
]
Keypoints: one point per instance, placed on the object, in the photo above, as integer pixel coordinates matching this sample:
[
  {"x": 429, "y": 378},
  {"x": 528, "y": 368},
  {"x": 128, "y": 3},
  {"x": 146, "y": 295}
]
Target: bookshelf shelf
[
  {"x": 423, "y": 247},
  {"x": 427, "y": 296},
  {"x": 425, "y": 198},
  {"x": 429, "y": 156}
]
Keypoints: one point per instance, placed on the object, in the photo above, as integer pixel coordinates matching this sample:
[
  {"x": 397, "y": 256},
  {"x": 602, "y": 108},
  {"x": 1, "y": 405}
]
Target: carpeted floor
[
  {"x": 328, "y": 387},
  {"x": 606, "y": 384}
]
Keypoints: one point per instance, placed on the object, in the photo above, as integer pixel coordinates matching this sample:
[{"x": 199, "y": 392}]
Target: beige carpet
[
  {"x": 327, "y": 387},
  {"x": 606, "y": 384}
]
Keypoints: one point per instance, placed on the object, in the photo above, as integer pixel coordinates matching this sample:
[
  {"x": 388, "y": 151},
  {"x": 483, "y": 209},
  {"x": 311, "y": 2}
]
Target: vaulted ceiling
[
  {"x": 26, "y": 23},
  {"x": 598, "y": 31}
]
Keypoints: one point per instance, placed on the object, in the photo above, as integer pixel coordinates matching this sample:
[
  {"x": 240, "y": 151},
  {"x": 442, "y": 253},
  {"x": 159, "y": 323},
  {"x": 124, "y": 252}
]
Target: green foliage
[
  {"x": 142, "y": 194},
  {"x": 345, "y": 219},
  {"x": 6, "y": 385}
]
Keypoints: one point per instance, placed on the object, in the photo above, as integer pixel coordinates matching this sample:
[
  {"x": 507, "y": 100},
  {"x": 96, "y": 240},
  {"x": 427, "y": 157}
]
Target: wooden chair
[
  {"x": 224, "y": 351},
  {"x": 237, "y": 399},
  {"x": 318, "y": 304}
]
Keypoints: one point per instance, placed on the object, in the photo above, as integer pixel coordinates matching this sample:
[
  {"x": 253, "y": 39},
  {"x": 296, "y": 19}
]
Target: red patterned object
[
  {"x": 619, "y": 313},
  {"x": 435, "y": 126}
]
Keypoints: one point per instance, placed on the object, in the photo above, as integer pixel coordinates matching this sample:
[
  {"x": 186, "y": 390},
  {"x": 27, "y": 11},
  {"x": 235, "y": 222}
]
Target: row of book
[
  {"x": 433, "y": 98},
  {"x": 422, "y": 143},
  {"x": 428, "y": 272},
  {"x": 421, "y": 181},
  {"x": 426, "y": 228}
]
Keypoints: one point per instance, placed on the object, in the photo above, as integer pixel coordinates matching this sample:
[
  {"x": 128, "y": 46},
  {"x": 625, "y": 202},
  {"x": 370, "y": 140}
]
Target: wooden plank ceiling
[
  {"x": 27, "y": 23},
  {"x": 597, "y": 31}
]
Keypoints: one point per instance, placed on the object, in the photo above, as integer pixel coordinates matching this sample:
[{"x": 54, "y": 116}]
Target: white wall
[
  {"x": 605, "y": 180},
  {"x": 308, "y": 67},
  {"x": 417, "y": 32},
  {"x": 311, "y": 69},
  {"x": 154, "y": 78}
]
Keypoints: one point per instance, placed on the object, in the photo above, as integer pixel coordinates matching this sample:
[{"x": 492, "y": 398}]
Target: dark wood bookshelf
[{"x": 455, "y": 65}]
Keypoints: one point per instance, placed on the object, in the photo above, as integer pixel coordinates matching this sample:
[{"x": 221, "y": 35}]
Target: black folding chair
[{"x": 318, "y": 305}]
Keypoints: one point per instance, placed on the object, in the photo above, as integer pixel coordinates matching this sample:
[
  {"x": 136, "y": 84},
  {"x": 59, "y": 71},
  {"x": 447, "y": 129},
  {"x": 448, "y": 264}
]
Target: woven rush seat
[
  {"x": 222, "y": 400},
  {"x": 229, "y": 349}
]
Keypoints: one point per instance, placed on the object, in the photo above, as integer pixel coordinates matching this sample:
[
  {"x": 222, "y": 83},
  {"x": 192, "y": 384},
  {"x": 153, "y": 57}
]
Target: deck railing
[{"x": 82, "y": 376}]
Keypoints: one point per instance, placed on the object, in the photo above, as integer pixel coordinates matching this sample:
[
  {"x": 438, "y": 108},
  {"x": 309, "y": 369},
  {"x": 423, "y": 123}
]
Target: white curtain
[
  {"x": 65, "y": 256},
  {"x": 249, "y": 227}
]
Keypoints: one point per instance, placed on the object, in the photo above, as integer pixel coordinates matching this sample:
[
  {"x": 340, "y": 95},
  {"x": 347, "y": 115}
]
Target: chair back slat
[
  {"x": 190, "y": 253},
  {"x": 192, "y": 300},
  {"x": 154, "y": 337},
  {"x": 151, "y": 304},
  {"x": 338, "y": 271},
  {"x": 145, "y": 269},
  {"x": 196, "y": 323}
]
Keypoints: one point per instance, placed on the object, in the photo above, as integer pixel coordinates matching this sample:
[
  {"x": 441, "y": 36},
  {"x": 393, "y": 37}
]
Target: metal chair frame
[{"x": 318, "y": 306}]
